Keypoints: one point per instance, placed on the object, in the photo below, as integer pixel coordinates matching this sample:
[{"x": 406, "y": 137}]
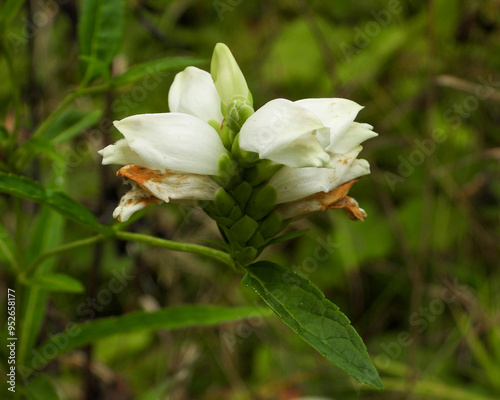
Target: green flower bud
[
  {"x": 237, "y": 113},
  {"x": 261, "y": 172},
  {"x": 227, "y": 76},
  {"x": 262, "y": 202}
]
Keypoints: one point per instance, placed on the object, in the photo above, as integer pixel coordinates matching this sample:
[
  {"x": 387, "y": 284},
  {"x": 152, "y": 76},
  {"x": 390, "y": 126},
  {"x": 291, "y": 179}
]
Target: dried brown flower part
[{"x": 336, "y": 198}]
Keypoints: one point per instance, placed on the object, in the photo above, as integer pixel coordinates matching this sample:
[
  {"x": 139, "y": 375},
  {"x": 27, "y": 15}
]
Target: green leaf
[
  {"x": 7, "y": 253},
  {"x": 56, "y": 283},
  {"x": 147, "y": 70},
  {"x": 99, "y": 34},
  {"x": 71, "y": 123},
  {"x": 40, "y": 388},
  {"x": 170, "y": 318},
  {"x": 37, "y": 146},
  {"x": 9, "y": 10},
  {"x": 304, "y": 308},
  {"x": 26, "y": 188},
  {"x": 46, "y": 234}
]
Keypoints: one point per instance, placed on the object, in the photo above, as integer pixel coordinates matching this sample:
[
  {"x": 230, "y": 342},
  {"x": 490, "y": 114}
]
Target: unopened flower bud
[
  {"x": 227, "y": 76},
  {"x": 238, "y": 112}
]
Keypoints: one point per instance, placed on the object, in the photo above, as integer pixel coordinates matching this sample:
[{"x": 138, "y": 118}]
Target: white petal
[
  {"x": 297, "y": 183},
  {"x": 356, "y": 134},
  {"x": 134, "y": 200},
  {"x": 275, "y": 125},
  {"x": 170, "y": 185},
  {"x": 337, "y": 114},
  {"x": 344, "y": 160},
  {"x": 193, "y": 92},
  {"x": 358, "y": 168},
  {"x": 120, "y": 153},
  {"x": 307, "y": 152},
  {"x": 174, "y": 141}
]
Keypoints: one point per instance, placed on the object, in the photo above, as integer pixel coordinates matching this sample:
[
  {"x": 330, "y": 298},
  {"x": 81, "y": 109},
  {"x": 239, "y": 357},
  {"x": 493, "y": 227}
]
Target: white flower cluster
[{"x": 173, "y": 156}]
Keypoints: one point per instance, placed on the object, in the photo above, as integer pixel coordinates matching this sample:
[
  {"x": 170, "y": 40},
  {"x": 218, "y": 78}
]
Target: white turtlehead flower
[
  {"x": 317, "y": 140},
  {"x": 176, "y": 151}
]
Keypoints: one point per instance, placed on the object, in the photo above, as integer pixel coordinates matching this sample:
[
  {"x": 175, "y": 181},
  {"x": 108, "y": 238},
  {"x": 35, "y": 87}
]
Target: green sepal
[
  {"x": 244, "y": 228},
  {"x": 242, "y": 194},
  {"x": 214, "y": 124},
  {"x": 236, "y": 213},
  {"x": 217, "y": 243},
  {"x": 227, "y": 135},
  {"x": 208, "y": 207},
  {"x": 262, "y": 202},
  {"x": 247, "y": 159},
  {"x": 257, "y": 240},
  {"x": 223, "y": 202},
  {"x": 229, "y": 174},
  {"x": 261, "y": 172},
  {"x": 246, "y": 255},
  {"x": 287, "y": 236},
  {"x": 271, "y": 225},
  {"x": 223, "y": 221},
  {"x": 231, "y": 238}
]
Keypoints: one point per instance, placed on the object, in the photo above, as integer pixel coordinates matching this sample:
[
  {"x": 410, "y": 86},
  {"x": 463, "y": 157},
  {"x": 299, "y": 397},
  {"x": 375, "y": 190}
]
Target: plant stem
[
  {"x": 60, "y": 249},
  {"x": 179, "y": 246},
  {"x": 134, "y": 237}
]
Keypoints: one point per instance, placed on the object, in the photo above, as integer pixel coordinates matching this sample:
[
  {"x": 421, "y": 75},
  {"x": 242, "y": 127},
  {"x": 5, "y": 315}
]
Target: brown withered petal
[
  {"x": 171, "y": 185},
  {"x": 134, "y": 200},
  {"x": 336, "y": 198}
]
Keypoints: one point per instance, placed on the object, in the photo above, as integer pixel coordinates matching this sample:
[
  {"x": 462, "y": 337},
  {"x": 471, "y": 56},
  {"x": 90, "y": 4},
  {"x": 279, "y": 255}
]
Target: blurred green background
[{"x": 419, "y": 279}]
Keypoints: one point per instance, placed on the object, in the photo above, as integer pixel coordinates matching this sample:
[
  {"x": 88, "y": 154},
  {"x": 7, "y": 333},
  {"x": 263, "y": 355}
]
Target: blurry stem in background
[
  {"x": 323, "y": 42},
  {"x": 418, "y": 270},
  {"x": 90, "y": 385},
  {"x": 16, "y": 98},
  {"x": 61, "y": 249}
]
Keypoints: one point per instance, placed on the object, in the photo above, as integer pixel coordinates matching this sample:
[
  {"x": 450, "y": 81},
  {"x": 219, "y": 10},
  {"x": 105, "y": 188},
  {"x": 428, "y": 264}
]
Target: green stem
[
  {"x": 60, "y": 249},
  {"x": 179, "y": 246},
  {"x": 135, "y": 237}
]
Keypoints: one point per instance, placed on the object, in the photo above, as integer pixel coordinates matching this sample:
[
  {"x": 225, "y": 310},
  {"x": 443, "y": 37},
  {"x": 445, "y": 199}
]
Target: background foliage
[{"x": 418, "y": 279}]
